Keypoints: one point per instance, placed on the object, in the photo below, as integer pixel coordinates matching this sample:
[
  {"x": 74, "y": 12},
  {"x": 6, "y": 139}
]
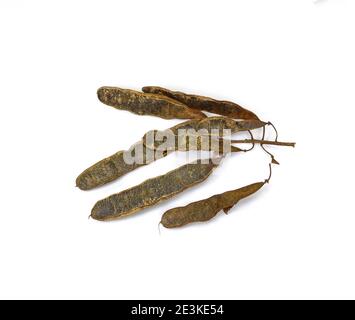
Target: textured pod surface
[
  {"x": 204, "y": 143},
  {"x": 225, "y": 108},
  {"x": 112, "y": 168},
  {"x": 223, "y": 123},
  {"x": 208, "y": 127},
  {"x": 204, "y": 210},
  {"x": 146, "y": 104},
  {"x": 191, "y": 142},
  {"x": 115, "y": 166},
  {"x": 218, "y": 123},
  {"x": 152, "y": 191}
]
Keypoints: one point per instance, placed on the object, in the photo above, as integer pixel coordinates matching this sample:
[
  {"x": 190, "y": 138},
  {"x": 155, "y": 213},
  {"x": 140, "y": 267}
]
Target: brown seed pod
[
  {"x": 204, "y": 210},
  {"x": 218, "y": 123},
  {"x": 187, "y": 142},
  {"x": 153, "y": 190},
  {"x": 223, "y": 123},
  {"x": 147, "y": 104},
  {"x": 116, "y": 165},
  {"x": 225, "y": 108},
  {"x": 205, "y": 128}
]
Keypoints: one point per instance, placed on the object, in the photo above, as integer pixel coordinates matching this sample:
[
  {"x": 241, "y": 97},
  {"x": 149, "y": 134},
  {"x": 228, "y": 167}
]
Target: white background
[{"x": 292, "y": 62}]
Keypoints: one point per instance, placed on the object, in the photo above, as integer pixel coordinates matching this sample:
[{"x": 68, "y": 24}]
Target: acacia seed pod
[
  {"x": 114, "y": 167},
  {"x": 206, "y": 209},
  {"x": 146, "y": 104},
  {"x": 153, "y": 190},
  {"x": 225, "y": 108}
]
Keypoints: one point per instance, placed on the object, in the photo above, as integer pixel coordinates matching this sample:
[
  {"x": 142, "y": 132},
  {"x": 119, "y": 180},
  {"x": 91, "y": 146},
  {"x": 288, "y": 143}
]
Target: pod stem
[
  {"x": 277, "y": 134},
  {"x": 270, "y": 174},
  {"x": 273, "y": 160},
  {"x": 251, "y": 138},
  {"x": 277, "y": 143}
]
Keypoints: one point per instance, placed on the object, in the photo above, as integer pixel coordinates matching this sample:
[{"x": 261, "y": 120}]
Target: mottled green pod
[
  {"x": 206, "y": 209},
  {"x": 147, "y": 104},
  {"x": 225, "y": 108}
]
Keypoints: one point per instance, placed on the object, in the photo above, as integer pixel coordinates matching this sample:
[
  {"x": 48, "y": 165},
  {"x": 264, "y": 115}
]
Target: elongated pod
[
  {"x": 225, "y": 108},
  {"x": 222, "y": 123},
  {"x": 209, "y": 128},
  {"x": 153, "y": 190},
  {"x": 147, "y": 104},
  {"x": 206, "y": 209},
  {"x": 115, "y": 166}
]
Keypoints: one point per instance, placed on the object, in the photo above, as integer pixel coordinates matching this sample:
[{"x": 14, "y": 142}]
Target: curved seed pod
[
  {"x": 225, "y": 108},
  {"x": 113, "y": 167},
  {"x": 250, "y": 125},
  {"x": 222, "y": 123},
  {"x": 208, "y": 127},
  {"x": 162, "y": 141},
  {"x": 206, "y": 209},
  {"x": 146, "y": 104},
  {"x": 153, "y": 190},
  {"x": 217, "y": 123}
]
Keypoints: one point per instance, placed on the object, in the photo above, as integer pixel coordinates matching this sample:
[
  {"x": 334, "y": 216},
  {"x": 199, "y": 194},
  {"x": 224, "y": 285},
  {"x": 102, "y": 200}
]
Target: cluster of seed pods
[{"x": 167, "y": 104}]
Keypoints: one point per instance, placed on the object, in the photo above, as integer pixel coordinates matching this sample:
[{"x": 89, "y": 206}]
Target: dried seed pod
[
  {"x": 203, "y": 143},
  {"x": 153, "y": 190},
  {"x": 225, "y": 108},
  {"x": 166, "y": 141},
  {"x": 114, "y": 166},
  {"x": 222, "y": 123},
  {"x": 147, "y": 104},
  {"x": 197, "y": 130},
  {"x": 204, "y": 210}
]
